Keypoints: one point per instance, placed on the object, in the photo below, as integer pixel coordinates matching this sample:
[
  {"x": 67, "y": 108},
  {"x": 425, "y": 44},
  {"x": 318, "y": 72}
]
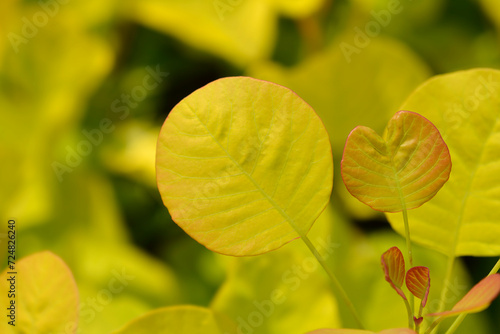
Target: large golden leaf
[{"x": 244, "y": 166}]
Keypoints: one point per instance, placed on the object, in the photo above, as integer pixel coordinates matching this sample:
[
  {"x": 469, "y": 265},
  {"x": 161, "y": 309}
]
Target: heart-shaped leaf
[
  {"x": 418, "y": 282},
  {"x": 477, "y": 299},
  {"x": 393, "y": 265},
  {"x": 46, "y": 296},
  {"x": 316, "y": 79},
  {"x": 462, "y": 219},
  {"x": 401, "y": 170},
  {"x": 244, "y": 166},
  {"x": 179, "y": 319},
  {"x": 357, "y": 331}
]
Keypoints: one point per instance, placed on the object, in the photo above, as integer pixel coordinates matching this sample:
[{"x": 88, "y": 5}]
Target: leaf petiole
[
  {"x": 417, "y": 325},
  {"x": 410, "y": 314},
  {"x": 495, "y": 269},
  {"x": 408, "y": 247},
  {"x": 407, "y": 234},
  {"x": 334, "y": 279},
  {"x": 433, "y": 325}
]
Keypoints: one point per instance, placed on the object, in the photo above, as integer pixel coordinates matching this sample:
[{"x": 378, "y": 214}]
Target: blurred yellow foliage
[{"x": 69, "y": 68}]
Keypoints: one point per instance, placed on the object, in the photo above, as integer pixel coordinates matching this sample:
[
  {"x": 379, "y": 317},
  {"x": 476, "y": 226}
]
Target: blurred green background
[{"x": 86, "y": 85}]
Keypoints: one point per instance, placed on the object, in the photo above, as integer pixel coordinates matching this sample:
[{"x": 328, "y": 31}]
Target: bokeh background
[{"x": 86, "y": 85}]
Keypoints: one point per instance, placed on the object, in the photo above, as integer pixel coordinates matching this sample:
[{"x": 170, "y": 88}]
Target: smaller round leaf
[
  {"x": 418, "y": 282},
  {"x": 393, "y": 265}
]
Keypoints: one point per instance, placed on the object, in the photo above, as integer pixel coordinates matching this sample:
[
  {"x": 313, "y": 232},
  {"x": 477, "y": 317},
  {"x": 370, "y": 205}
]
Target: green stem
[
  {"x": 410, "y": 314},
  {"x": 405, "y": 219},
  {"x": 462, "y": 316},
  {"x": 495, "y": 268},
  {"x": 420, "y": 309},
  {"x": 408, "y": 240},
  {"x": 334, "y": 279},
  {"x": 433, "y": 325},
  {"x": 410, "y": 252},
  {"x": 456, "y": 323},
  {"x": 407, "y": 233}
]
